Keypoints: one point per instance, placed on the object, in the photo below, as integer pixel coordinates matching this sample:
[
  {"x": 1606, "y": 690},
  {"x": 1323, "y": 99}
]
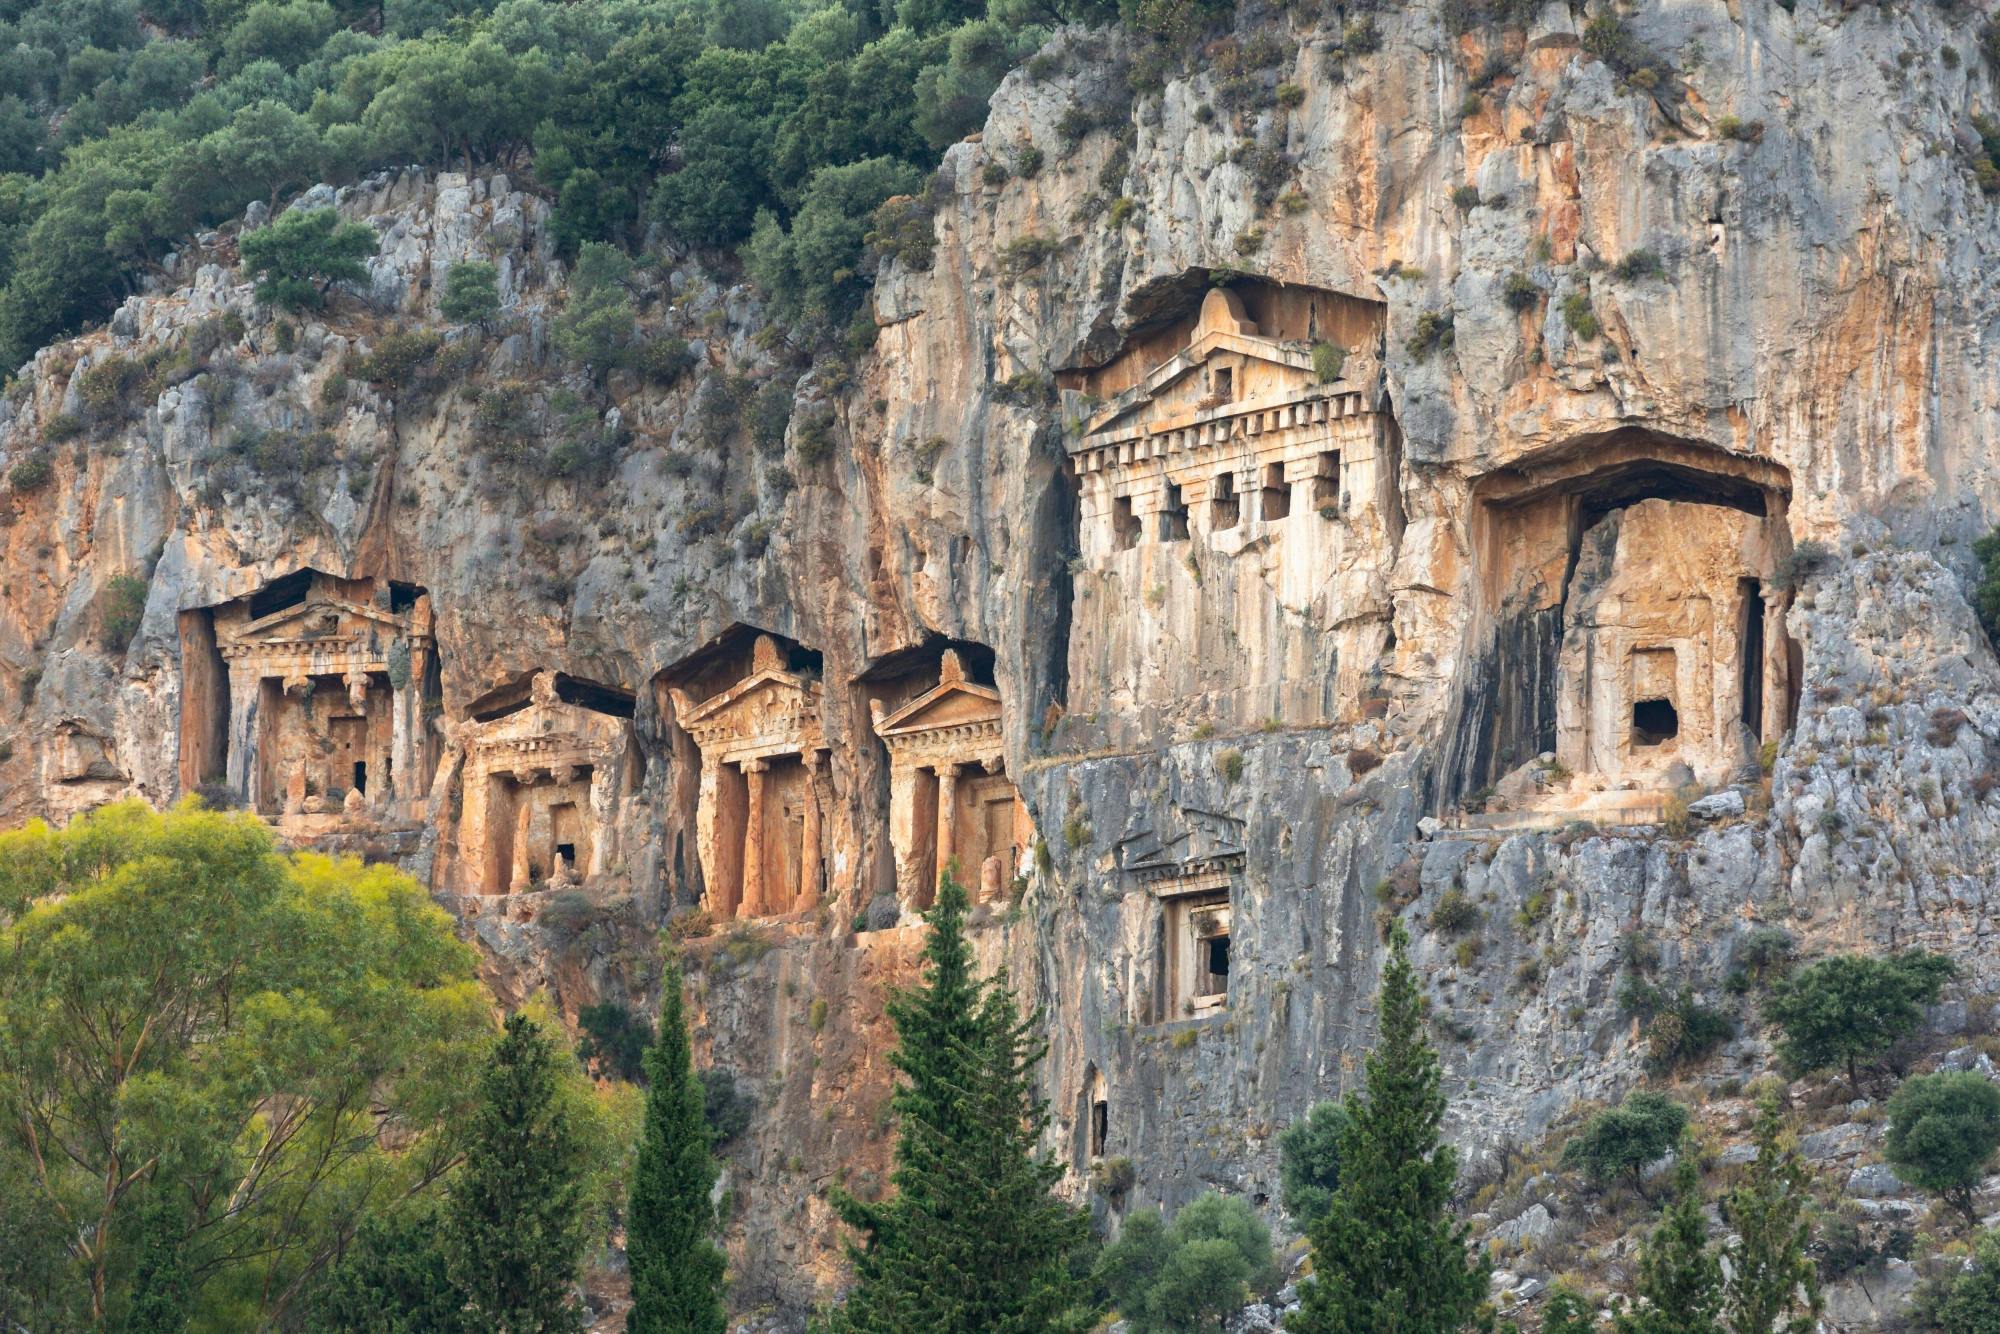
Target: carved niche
[
  {"x": 543, "y": 781},
  {"x": 949, "y": 795},
  {"x": 758, "y": 826},
  {"x": 1190, "y": 873}
]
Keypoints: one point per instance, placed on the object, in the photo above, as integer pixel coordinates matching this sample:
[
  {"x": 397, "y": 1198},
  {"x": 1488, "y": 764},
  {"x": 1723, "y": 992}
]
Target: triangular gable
[
  {"x": 952, "y": 704},
  {"x": 1206, "y": 840},
  {"x": 314, "y": 609},
  {"x": 743, "y": 698},
  {"x": 1190, "y": 360}
]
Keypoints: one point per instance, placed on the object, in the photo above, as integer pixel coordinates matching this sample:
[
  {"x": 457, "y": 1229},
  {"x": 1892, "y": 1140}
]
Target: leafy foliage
[
  {"x": 1680, "y": 1274},
  {"x": 972, "y": 1240},
  {"x": 1620, "y": 1141},
  {"x": 1971, "y": 1302},
  {"x": 1847, "y": 1011},
  {"x": 1986, "y": 592},
  {"x": 471, "y": 293},
  {"x": 193, "y": 1019},
  {"x": 1191, "y": 1276},
  {"x": 676, "y": 1268},
  {"x": 1309, "y": 1161},
  {"x": 1943, "y": 1131},
  {"x": 1388, "y": 1253},
  {"x": 611, "y": 1041},
  {"x": 299, "y": 256},
  {"x": 1771, "y": 1285}
]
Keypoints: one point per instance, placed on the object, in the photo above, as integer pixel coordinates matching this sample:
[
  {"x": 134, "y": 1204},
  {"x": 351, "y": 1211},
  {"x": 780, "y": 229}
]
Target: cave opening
[
  {"x": 1654, "y": 722},
  {"x": 1620, "y": 600}
]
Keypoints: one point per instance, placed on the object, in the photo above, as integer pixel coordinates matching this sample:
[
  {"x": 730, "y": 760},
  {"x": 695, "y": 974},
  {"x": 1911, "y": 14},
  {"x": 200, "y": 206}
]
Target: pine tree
[
  {"x": 676, "y": 1268},
  {"x": 971, "y": 1242},
  {"x": 514, "y": 1225},
  {"x": 1567, "y": 1313},
  {"x": 1388, "y": 1254},
  {"x": 1680, "y": 1279},
  {"x": 1771, "y": 1280}
]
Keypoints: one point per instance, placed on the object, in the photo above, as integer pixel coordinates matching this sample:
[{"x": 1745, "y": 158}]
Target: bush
[
  {"x": 1176, "y": 1280},
  {"x": 1986, "y": 592},
  {"x": 399, "y": 358},
  {"x": 1465, "y": 198},
  {"x": 1640, "y": 263},
  {"x": 121, "y": 605},
  {"x": 1943, "y": 1131},
  {"x": 1433, "y": 333},
  {"x": 471, "y": 292},
  {"x": 1328, "y": 361},
  {"x": 903, "y": 228},
  {"x": 1455, "y": 913},
  {"x": 107, "y": 388},
  {"x": 1620, "y": 1141},
  {"x": 1801, "y": 563},
  {"x": 298, "y": 257},
  {"x": 1847, "y": 1011},
  {"x": 1024, "y": 253},
  {"x": 1683, "y": 1030},
  {"x": 1309, "y": 1161},
  {"x": 726, "y": 1108},
  {"x": 1520, "y": 292},
  {"x": 663, "y": 360},
  {"x": 1580, "y": 318},
  {"x": 597, "y": 322},
  {"x": 612, "y": 1041},
  {"x": 31, "y": 473},
  {"x": 1969, "y": 1302}
]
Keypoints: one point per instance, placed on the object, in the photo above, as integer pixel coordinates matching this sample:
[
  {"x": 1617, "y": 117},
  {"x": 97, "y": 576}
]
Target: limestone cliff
[{"x": 1374, "y": 467}]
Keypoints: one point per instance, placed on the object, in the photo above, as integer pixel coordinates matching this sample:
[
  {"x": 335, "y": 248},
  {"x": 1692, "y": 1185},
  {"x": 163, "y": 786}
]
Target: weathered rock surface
[{"x": 1812, "y": 344}]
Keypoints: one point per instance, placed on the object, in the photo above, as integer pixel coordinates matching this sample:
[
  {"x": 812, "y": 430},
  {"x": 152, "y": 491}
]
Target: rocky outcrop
[{"x": 1565, "y": 303}]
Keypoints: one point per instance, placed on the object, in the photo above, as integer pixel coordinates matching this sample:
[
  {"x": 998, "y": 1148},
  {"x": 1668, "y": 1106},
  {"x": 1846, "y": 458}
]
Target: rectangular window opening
[
  {"x": 361, "y": 775},
  {"x": 1100, "y": 1127},
  {"x": 1174, "y": 516},
  {"x": 1277, "y": 493},
  {"x": 1223, "y": 509},
  {"x": 1124, "y": 523},
  {"x": 1222, "y": 384},
  {"x": 1654, "y": 721},
  {"x": 1750, "y": 649},
  {"x": 1326, "y": 484}
]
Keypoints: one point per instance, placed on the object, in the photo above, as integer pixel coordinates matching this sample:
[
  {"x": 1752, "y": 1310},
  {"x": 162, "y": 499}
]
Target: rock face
[{"x": 1274, "y": 516}]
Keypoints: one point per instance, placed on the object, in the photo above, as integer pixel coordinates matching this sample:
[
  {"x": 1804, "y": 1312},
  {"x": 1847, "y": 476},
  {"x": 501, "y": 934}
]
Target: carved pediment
[
  {"x": 771, "y": 710},
  {"x": 953, "y": 704},
  {"x": 1201, "y": 844},
  {"x": 315, "y": 620}
]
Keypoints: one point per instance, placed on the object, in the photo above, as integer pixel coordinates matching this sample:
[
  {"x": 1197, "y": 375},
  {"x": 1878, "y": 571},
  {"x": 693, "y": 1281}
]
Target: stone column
[
  {"x": 603, "y": 815},
  {"x": 753, "y": 841},
  {"x": 521, "y": 876},
  {"x": 1776, "y": 667},
  {"x": 947, "y": 818},
  {"x": 240, "y": 769},
  {"x": 809, "y": 851}
]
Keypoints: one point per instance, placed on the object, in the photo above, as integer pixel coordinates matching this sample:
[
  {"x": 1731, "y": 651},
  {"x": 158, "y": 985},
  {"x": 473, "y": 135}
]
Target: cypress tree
[
  {"x": 971, "y": 1242},
  {"x": 1680, "y": 1278},
  {"x": 1772, "y": 1285},
  {"x": 676, "y": 1269},
  {"x": 514, "y": 1225},
  {"x": 1387, "y": 1253}
]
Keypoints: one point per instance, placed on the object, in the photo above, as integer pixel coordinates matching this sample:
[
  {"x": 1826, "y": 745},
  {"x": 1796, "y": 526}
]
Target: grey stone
[
  {"x": 1534, "y": 1224},
  {"x": 1724, "y": 805},
  {"x": 1847, "y": 1140},
  {"x": 1873, "y": 1181}
]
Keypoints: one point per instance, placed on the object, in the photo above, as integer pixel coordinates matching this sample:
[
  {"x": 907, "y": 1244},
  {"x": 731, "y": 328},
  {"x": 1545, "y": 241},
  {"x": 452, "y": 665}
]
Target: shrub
[
  {"x": 1766, "y": 951},
  {"x": 1640, "y": 263},
  {"x": 106, "y": 389},
  {"x": 1328, "y": 361},
  {"x": 121, "y": 605},
  {"x": 1191, "y": 1275},
  {"x": 663, "y": 360},
  {"x": 1847, "y": 1011},
  {"x": 1113, "y": 1177},
  {"x": 399, "y": 358},
  {"x": 1620, "y": 1141},
  {"x": 471, "y": 292},
  {"x": 1309, "y": 1161},
  {"x": 1802, "y": 562},
  {"x": 32, "y": 472},
  {"x": 770, "y": 413},
  {"x": 1028, "y": 162},
  {"x": 1230, "y": 765},
  {"x": 903, "y": 229},
  {"x": 1943, "y": 1131},
  {"x": 1582, "y": 320},
  {"x": 612, "y": 1041},
  {"x": 1520, "y": 292},
  {"x": 1024, "y": 253},
  {"x": 1361, "y": 37},
  {"x": 61, "y": 427},
  {"x": 994, "y": 175},
  {"x": 726, "y": 1108},
  {"x": 1290, "y": 95},
  {"x": 1433, "y": 333},
  {"x": 1465, "y": 198},
  {"x": 1454, "y": 913},
  {"x": 597, "y": 322},
  {"x": 1608, "y": 39},
  {"x": 1986, "y": 591},
  {"x": 1682, "y": 1029},
  {"x": 298, "y": 257},
  {"x": 1968, "y": 1302}
]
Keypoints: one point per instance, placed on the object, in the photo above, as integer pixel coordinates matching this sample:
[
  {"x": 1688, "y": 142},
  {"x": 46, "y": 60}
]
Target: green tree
[
  {"x": 814, "y": 270},
  {"x": 972, "y": 1240},
  {"x": 1850, "y": 1009},
  {"x": 1986, "y": 593},
  {"x": 471, "y": 292},
  {"x": 1943, "y": 1130},
  {"x": 1567, "y": 1313},
  {"x": 1772, "y": 1285},
  {"x": 1309, "y": 1161},
  {"x": 199, "y": 1034},
  {"x": 1193, "y": 1275},
  {"x": 1388, "y": 1254},
  {"x": 1680, "y": 1277},
  {"x": 303, "y": 253},
  {"x": 597, "y": 324},
  {"x": 677, "y": 1270},
  {"x": 393, "y": 1280},
  {"x": 1970, "y": 1302},
  {"x": 1622, "y": 1140},
  {"x": 513, "y": 1231}
]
